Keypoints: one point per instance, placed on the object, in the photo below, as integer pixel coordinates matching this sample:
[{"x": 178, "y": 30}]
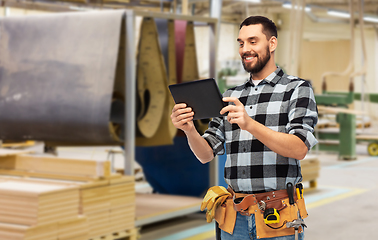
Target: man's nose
[{"x": 246, "y": 49}]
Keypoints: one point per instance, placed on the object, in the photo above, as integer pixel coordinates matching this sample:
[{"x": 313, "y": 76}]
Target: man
[{"x": 267, "y": 130}]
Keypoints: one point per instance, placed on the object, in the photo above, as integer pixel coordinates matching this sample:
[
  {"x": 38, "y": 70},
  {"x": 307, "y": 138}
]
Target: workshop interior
[{"x": 88, "y": 150}]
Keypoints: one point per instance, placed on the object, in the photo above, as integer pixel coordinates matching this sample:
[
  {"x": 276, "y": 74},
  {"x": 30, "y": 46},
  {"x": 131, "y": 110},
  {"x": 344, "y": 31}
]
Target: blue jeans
[{"x": 245, "y": 228}]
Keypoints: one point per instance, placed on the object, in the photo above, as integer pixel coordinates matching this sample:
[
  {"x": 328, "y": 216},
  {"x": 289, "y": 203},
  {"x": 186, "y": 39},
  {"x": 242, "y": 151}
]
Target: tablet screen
[{"x": 203, "y": 96}]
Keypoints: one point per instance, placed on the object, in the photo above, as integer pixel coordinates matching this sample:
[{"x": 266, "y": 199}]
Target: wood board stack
[
  {"x": 105, "y": 200},
  {"x": 15, "y": 163},
  {"x": 109, "y": 205},
  {"x": 74, "y": 229},
  {"x": 310, "y": 167},
  {"x": 40, "y": 210}
]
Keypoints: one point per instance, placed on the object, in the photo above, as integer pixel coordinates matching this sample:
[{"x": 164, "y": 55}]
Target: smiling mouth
[{"x": 248, "y": 59}]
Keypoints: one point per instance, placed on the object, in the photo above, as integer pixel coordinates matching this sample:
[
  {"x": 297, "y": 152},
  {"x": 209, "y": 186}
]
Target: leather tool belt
[{"x": 248, "y": 204}]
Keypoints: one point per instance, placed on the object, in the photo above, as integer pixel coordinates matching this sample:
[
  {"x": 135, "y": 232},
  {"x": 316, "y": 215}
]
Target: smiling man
[{"x": 267, "y": 131}]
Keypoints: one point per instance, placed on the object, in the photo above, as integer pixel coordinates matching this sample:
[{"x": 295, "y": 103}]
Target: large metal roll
[
  {"x": 166, "y": 41},
  {"x": 152, "y": 80},
  {"x": 57, "y": 78}
]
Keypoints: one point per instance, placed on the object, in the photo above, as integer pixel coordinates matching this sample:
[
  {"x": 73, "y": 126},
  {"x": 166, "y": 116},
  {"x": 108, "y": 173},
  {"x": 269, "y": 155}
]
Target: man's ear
[{"x": 272, "y": 44}]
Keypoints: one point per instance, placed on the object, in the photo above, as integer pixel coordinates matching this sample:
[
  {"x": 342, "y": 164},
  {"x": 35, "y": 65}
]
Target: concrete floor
[{"x": 342, "y": 207}]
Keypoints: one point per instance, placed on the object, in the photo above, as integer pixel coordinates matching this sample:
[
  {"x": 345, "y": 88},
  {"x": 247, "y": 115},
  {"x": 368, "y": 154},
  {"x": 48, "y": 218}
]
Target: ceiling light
[
  {"x": 347, "y": 15},
  {"x": 252, "y": 1},
  {"x": 371, "y": 19},
  {"x": 338, "y": 14},
  {"x": 289, "y": 6}
]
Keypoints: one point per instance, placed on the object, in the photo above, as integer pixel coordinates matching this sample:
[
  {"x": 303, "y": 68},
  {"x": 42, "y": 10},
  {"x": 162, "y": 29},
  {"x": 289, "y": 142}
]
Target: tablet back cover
[{"x": 203, "y": 96}]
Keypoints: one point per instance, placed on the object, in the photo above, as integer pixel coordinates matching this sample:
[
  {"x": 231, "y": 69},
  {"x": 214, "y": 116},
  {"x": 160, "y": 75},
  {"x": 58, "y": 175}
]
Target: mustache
[{"x": 249, "y": 54}]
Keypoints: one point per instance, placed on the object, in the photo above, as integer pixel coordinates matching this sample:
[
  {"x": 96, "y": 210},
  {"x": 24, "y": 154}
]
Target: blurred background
[{"x": 87, "y": 147}]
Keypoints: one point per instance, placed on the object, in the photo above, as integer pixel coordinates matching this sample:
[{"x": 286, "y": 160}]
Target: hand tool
[
  {"x": 290, "y": 192},
  {"x": 296, "y": 224},
  {"x": 271, "y": 215}
]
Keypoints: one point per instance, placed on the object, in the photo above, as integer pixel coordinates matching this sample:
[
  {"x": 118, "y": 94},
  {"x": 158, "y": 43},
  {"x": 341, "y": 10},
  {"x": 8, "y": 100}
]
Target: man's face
[{"x": 254, "y": 48}]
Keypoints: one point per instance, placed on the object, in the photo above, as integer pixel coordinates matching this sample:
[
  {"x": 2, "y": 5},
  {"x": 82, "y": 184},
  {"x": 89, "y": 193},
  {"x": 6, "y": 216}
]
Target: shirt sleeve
[
  {"x": 215, "y": 135},
  {"x": 303, "y": 114}
]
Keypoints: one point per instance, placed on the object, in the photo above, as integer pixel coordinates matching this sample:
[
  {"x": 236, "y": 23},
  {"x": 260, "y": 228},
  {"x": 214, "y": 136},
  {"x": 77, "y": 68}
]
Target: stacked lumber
[
  {"x": 90, "y": 202},
  {"x": 74, "y": 229},
  {"x": 22, "y": 232},
  {"x": 32, "y": 209},
  {"x": 310, "y": 168},
  {"x": 31, "y": 203},
  {"x": 15, "y": 163},
  {"x": 109, "y": 205}
]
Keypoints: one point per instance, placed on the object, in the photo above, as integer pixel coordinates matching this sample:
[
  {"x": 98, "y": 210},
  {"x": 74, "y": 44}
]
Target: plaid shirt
[{"x": 284, "y": 104}]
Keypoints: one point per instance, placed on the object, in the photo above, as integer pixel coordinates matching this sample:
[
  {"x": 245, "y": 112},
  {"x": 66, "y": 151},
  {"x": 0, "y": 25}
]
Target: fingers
[
  {"x": 178, "y": 106},
  {"x": 233, "y": 99},
  {"x": 181, "y": 114},
  {"x": 231, "y": 108},
  {"x": 232, "y": 117}
]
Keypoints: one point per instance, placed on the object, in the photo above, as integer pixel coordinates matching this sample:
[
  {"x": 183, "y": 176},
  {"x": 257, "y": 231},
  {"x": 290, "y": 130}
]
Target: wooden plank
[
  {"x": 26, "y": 173},
  {"x": 53, "y": 167},
  {"x": 64, "y": 166},
  {"x": 18, "y": 144},
  {"x": 49, "y": 198},
  {"x": 73, "y": 228},
  {"x": 32, "y": 189},
  {"x": 12, "y": 152},
  {"x": 367, "y": 137}
]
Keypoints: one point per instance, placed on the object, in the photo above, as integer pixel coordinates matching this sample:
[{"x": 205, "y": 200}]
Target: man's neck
[{"x": 266, "y": 71}]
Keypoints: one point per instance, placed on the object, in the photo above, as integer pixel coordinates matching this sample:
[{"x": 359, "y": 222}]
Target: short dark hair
[{"x": 269, "y": 28}]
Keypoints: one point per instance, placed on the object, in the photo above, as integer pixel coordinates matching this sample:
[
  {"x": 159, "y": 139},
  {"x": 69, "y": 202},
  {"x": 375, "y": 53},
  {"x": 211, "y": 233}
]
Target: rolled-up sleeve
[
  {"x": 215, "y": 135},
  {"x": 303, "y": 114}
]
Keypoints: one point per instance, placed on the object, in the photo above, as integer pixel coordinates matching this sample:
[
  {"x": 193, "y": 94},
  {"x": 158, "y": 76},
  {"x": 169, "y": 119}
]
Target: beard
[{"x": 259, "y": 65}]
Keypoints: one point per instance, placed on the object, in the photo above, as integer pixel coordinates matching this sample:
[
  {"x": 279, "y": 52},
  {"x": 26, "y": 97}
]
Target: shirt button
[
  {"x": 243, "y": 172},
  {"x": 244, "y": 150},
  {"x": 255, "y": 89},
  {"x": 250, "y": 107}
]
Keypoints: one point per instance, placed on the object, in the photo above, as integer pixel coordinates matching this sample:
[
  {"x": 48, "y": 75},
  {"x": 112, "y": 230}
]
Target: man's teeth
[{"x": 248, "y": 58}]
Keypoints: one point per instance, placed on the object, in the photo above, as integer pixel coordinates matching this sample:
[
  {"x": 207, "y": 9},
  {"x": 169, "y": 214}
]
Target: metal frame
[
  {"x": 130, "y": 66},
  {"x": 130, "y": 80}
]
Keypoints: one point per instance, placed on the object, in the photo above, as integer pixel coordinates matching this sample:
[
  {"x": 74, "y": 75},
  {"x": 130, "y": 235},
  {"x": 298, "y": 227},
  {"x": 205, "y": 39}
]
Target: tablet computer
[{"x": 203, "y": 96}]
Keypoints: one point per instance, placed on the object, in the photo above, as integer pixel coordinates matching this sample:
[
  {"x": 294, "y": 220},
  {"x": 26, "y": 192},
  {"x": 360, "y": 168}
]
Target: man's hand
[
  {"x": 236, "y": 113},
  {"x": 182, "y": 117}
]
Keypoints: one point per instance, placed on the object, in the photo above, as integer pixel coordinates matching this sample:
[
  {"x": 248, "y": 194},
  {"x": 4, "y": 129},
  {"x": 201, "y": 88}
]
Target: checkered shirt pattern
[{"x": 284, "y": 104}]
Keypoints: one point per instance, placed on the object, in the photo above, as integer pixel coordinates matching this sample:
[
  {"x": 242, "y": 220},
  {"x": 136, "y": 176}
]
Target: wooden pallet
[{"x": 130, "y": 234}]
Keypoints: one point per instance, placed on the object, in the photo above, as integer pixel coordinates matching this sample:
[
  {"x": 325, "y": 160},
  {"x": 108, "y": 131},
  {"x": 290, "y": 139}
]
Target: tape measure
[{"x": 271, "y": 215}]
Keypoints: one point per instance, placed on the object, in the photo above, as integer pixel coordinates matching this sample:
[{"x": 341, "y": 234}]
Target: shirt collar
[{"x": 272, "y": 79}]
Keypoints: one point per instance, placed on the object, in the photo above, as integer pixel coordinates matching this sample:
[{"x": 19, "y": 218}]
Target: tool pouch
[
  {"x": 287, "y": 212},
  {"x": 225, "y": 215}
]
